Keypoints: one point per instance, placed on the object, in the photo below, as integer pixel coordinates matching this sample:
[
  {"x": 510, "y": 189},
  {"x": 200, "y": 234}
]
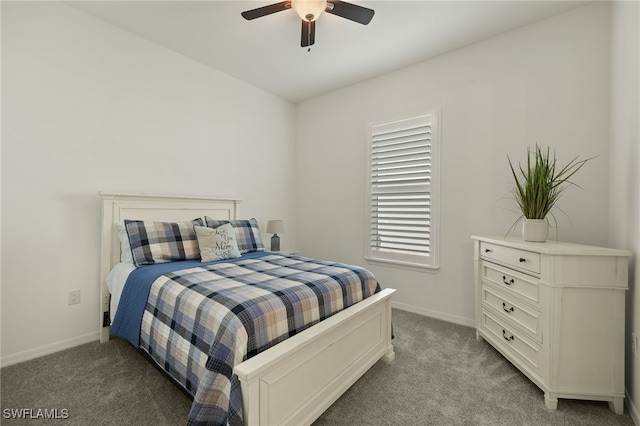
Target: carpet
[{"x": 441, "y": 376}]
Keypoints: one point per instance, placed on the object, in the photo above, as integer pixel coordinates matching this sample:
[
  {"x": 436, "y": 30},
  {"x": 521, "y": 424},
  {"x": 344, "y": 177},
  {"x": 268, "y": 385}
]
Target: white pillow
[
  {"x": 217, "y": 244},
  {"x": 125, "y": 247}
]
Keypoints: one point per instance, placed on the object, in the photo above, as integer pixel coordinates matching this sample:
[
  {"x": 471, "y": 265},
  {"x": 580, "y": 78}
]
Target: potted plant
[{"x": 538, "y": 187}]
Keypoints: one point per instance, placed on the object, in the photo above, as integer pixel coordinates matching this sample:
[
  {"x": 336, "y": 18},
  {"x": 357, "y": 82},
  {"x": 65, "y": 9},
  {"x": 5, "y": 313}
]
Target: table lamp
[{"x": 275, "y": 227}]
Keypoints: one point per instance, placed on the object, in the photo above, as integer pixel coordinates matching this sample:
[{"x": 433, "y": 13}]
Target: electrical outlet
[
  {"x": 74, "y": 297},
  {"x": 634, "y": 344}
]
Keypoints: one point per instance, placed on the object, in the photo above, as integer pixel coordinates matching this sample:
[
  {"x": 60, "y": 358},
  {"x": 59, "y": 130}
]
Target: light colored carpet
[{"x": 441, "y": 376}]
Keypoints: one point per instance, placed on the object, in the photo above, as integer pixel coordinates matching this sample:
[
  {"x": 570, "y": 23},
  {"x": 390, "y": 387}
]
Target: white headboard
[{"x": 164, "y": 208}]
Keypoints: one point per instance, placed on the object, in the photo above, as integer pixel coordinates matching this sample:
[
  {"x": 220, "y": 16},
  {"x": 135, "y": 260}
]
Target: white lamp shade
[
  {"x": 309, "y": 10},
  {"x": 275, "y": 227}
]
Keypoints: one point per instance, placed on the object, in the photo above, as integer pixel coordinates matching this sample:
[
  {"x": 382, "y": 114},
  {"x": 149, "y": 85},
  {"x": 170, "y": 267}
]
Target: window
[{"x": 403, "y": 192}]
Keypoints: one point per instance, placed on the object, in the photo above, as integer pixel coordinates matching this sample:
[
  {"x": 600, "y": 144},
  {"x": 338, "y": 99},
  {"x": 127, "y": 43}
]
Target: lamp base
[{"x": 275, "y": 243}]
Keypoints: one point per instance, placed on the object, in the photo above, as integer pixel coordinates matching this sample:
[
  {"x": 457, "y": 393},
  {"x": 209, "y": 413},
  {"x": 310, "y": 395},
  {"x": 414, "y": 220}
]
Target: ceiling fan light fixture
[{"x": 309, "y": 10}]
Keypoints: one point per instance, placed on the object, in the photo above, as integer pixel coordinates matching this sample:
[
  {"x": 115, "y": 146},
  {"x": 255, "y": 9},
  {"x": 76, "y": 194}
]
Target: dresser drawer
[
  {"x": 520, "y": 259},
  {"x": 523, "y": 351},
  {"x": 518, "y": 285},
  {"x": 505, "y": 307}
]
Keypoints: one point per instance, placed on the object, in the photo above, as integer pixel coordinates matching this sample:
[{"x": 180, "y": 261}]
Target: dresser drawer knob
[
  {"x": 504, "y": 280},
  {"x": 504, "y": 308},
  {"x": 522, "y": 259},
  {"x": 487, "y": 250},
  {"x": 504, "y": 334}
]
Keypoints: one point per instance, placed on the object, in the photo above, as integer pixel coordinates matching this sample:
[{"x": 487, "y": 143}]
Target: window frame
[{"x": 422, "y": 262}]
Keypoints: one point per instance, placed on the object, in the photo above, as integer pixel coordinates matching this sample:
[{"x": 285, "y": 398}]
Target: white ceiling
[{"x": 266, "y": 52}]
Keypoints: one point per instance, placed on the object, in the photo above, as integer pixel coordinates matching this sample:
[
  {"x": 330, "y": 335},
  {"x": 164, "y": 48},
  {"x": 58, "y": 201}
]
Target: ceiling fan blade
[
  {"x": 266, "y": 10},
  {"x": 308, "y": 33},
  {"x": 350, "y": 11}
]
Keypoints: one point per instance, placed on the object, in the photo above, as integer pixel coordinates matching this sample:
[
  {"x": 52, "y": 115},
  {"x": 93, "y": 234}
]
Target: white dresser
[{"x": 556, "y": 311}]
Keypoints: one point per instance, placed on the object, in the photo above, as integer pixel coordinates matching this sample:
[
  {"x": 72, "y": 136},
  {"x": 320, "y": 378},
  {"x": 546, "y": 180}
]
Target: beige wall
[
  {"x": 624, "y": 201},
  {"x": 545, "y": 83},
  {"x": 87, "y": 107}
]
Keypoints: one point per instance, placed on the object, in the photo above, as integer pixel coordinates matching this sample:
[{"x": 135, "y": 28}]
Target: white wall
[
  {"x": 87, "y": 107},
  {"x": 624, "y": 189},
  {"x": 546, "y": 83}
]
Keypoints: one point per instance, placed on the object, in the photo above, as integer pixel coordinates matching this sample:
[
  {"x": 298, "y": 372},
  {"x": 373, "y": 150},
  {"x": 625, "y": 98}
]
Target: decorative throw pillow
[
  {"x": 217, "y": 244},
  {"x": 247, "y": 233},
  {"x": 161, "y": 242}
]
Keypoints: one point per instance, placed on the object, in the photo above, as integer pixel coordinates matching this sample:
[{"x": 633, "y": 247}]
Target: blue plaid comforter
[{"x": 199, "y": 322}]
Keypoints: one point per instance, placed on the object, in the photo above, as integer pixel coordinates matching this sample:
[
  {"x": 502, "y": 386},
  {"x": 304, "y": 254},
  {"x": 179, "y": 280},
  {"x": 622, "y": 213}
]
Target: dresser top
[{"x": 552, "y": 247}]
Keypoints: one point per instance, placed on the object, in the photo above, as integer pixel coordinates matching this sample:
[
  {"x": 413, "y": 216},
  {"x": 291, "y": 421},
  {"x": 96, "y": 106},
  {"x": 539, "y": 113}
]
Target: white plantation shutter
[{"x": 401, "y": 165}]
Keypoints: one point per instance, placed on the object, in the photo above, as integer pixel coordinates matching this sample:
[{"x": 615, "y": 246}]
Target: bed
[{"x": 295, "y": 380}]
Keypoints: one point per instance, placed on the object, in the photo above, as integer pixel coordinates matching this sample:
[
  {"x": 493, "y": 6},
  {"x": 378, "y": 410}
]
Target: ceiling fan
[{"x": 309, "y": 10}]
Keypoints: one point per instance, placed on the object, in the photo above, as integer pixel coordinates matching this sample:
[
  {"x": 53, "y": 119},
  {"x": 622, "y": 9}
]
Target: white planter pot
[{"x": 535, "y": 230}]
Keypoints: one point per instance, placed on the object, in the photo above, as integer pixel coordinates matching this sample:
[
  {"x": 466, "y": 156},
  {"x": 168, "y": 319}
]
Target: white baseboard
[
  {"x": 48, "y": 349},
  {"x": 434, "y": 314},
  {"x": 91, "y": 337},
  {"x": 633, "y": 411}
]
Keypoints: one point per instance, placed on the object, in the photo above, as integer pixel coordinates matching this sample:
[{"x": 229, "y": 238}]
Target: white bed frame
[{"x": 297, "y": 380}]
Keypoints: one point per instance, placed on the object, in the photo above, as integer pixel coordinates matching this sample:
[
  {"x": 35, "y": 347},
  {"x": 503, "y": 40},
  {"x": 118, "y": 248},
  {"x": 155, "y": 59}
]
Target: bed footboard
[{"x": 297, "y": 380}]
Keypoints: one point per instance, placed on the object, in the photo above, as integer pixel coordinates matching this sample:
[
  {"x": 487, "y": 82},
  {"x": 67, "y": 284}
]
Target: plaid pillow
[
  {"x": 247, "y": 233},
  {"x": 161, "y": 242}
]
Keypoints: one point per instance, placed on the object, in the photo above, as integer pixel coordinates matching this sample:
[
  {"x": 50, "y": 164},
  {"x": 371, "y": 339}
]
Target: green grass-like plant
[{"x": 539, "y": 186}]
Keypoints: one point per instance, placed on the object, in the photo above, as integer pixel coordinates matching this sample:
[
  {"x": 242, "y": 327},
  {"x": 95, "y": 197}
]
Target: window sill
[{"x": 403, "y": 265}]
